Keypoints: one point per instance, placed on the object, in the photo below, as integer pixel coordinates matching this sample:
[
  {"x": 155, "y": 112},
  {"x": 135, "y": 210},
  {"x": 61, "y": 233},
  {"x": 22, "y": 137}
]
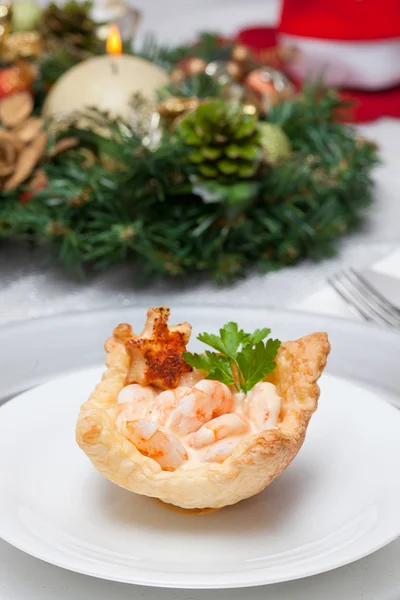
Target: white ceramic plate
[{"x": 337, "y": 502}]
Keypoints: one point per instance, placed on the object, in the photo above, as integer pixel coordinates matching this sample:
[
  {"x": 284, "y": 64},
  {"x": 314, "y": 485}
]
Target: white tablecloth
[{"x": 31, "y": 286}]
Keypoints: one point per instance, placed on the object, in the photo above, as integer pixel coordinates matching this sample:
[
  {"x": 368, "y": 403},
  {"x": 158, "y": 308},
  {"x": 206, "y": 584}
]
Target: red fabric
[
  {"x": 341, "y": 19},
  {"x": 368, "y": 105}
]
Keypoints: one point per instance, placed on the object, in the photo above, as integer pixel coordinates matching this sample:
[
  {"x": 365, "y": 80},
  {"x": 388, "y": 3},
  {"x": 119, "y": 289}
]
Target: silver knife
[{"x": 386, "y": 285}]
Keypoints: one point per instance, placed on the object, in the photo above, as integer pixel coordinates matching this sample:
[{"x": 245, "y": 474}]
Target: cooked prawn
[
  {"x": 166, "y": 402},
  {"x": 134, "y": 402},
  {"x": 220, "y": 451},
  {"x": 230, "y": 424},
  {"x": 137, "y": 392},
  {"x": 220, "y": 394},
  {"x": 156, "y": 443},
  {"x": 205, "y": 401},
  {"x": 191, "y": 412},
  {"x": 263, "y": 405}
]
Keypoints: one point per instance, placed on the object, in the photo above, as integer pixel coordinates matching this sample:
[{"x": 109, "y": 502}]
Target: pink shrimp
[
  {"x": 153, "y": 441},
  {"x": 166, "y": 402},
  {"x": 227, "y": 425},
  {"x": 263, "y": 405},
  {"x": 134, "y": 402},
  {"x": 220, "y": 394},
  {"x": 206, "y": 400},
  {"x": 220, "y": 451}
]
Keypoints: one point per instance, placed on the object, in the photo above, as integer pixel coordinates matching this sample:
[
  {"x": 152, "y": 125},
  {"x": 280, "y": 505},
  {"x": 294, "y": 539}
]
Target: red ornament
[
  {"x": 17, "y": 78},
  {"x": 260, "y": 84},
  {"x": 267, "y": 87}
]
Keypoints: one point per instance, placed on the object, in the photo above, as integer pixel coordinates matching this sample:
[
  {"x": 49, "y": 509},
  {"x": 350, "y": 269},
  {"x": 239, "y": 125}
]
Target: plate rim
[
  {"x": 211, "y": 586},
  {"x": 290, "y": 315},
  {"x": 291, "y": 312}
]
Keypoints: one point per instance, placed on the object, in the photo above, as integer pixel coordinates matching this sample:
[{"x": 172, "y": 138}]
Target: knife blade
[{"x": 386, "y": 285}]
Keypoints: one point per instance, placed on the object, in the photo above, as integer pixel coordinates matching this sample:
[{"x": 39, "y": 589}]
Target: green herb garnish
[{"x": 243, "y": 359}]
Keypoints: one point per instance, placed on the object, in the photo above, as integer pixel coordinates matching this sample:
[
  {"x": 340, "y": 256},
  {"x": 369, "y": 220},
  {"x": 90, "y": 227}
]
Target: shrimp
[
  {"x": 221, "y": 427},
  {"x": 263, "y": 405},
  {"x": 220, "y": 451},
  {"x": 166, "y": 403},
  {"x": 221, "y": 396},
  {"x": 134, "y": 402},
  {"x": 191, "y": 412},
  {"x": 155, "y": 442},
  {"x": 138, "y": 392},
  {"x": 205, "y": 401}
]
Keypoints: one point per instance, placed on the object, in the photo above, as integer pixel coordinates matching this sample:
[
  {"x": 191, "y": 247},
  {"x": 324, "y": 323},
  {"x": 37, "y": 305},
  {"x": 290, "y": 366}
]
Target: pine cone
[
  {"x": 224, "y": 141},
  {"x": 70, "y": 25}
]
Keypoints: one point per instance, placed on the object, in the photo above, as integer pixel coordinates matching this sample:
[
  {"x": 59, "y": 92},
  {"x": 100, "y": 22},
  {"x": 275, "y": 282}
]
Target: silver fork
[{"x": 365, "y": 299}]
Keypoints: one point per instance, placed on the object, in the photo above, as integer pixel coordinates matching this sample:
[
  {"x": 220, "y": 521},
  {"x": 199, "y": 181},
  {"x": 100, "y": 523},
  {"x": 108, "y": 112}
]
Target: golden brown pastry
[{"x": 155, "y": 426}]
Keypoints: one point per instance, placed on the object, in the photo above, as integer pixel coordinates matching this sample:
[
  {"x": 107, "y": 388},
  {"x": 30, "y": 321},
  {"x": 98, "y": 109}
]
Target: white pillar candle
[{"x": 106, "y": 83}]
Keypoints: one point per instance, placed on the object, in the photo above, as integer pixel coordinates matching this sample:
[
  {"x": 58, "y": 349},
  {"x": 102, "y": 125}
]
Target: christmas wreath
[{"x": 238, "y": 169}]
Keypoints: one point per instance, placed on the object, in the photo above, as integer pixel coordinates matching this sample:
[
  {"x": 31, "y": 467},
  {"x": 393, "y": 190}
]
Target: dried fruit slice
[
  {"x": 8, "y": 137},
  {"x": 64, "y": 144},
  {"x": 15, "y": 109},
  {"x": 29, "y": 129},
  {"x": 27, "y": 160}
]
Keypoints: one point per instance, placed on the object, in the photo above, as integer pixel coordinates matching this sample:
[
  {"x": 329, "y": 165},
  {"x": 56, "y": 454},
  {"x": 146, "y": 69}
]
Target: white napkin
[{"x": 326, "y": 301}]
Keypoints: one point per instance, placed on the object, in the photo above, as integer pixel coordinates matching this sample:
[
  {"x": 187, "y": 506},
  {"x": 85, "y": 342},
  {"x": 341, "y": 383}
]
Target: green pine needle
[{"x": 136, "y": 204}]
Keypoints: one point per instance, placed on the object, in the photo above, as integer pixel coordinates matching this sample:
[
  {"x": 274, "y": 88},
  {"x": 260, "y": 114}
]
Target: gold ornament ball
[
  {"x": 195, "y": 66},
  {"x": 241, "y": 53},
  {"x": 174, "y": 107},
  {"x": 173, "y": 110},
  {"x": 235, "y": 70},
  {"x": 5, "y": 18},
  {"x": 177, "y": 75},
  {"x": 107, "y": 83}
]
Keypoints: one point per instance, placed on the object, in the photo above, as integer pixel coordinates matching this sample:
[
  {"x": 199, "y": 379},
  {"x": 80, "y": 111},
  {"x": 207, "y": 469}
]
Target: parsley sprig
[{"x": 243, "y": 359}]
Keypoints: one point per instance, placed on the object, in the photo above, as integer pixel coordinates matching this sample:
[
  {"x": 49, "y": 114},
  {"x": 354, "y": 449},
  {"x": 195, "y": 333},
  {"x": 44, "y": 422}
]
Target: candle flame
[{"x": 114, "y": 44}]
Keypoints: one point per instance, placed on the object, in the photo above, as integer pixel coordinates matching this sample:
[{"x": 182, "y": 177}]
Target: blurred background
[{"x": 352, "y": 45}]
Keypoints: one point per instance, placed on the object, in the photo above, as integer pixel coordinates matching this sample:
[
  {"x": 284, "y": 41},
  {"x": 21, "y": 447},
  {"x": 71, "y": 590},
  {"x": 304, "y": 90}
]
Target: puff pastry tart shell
[{"x": 254, "y": 463}]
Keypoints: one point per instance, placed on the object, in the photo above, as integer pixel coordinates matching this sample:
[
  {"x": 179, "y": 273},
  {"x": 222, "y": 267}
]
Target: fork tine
[
  {"x": 342, "y": 289},
  {"x": 369, "y": 300},
  {"x": 381, "y": 300},
  {"x": 364, "y": 303}
]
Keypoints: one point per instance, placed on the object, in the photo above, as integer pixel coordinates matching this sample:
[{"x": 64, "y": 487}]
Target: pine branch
[
  {"x": 135, "y": 204},
  {"x": 162, "y": 55}
]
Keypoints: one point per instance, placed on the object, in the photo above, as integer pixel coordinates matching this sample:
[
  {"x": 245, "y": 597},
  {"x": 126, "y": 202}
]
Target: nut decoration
[
  {"x": 172, "y": 108},
  {"x": 22, "y": 140},
  {"x": 22, "y": 44}
]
